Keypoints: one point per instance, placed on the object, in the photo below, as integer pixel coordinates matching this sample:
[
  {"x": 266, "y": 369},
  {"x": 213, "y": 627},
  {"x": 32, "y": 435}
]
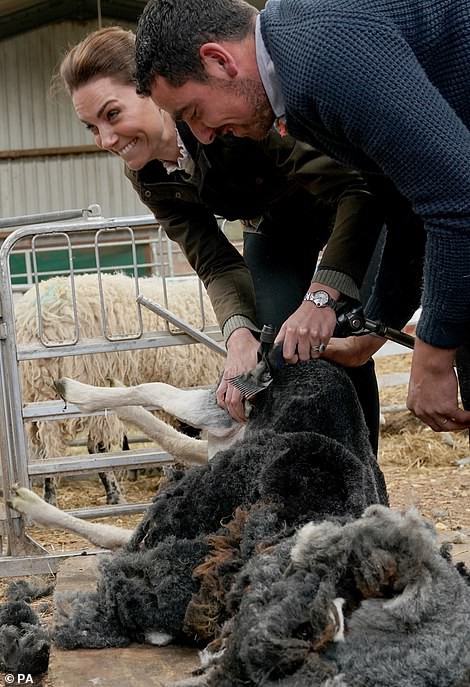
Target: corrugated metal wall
[{"x": 31, "y": 118}]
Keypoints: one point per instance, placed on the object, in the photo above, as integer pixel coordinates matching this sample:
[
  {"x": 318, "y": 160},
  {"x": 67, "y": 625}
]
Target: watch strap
[{"x": 329, "y": 303}]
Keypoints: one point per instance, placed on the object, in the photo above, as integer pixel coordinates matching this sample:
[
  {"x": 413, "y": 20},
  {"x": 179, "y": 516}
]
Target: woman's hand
[
  {"x": 242, "y": 348},
  {"x": 306, "y": 332}
]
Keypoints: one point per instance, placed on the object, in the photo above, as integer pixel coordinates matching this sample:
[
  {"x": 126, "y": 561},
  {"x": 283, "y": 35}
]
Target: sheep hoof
[
  {"x": 21, "y": 498},
  {"x": 59, "y": 385},
  {"x": 113, "y": 382},
  {"x": 115, "y": 500}
]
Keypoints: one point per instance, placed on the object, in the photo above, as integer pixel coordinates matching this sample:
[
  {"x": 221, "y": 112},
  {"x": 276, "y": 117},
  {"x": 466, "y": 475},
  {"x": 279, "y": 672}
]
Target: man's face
[{"x": 217, "y": 106}]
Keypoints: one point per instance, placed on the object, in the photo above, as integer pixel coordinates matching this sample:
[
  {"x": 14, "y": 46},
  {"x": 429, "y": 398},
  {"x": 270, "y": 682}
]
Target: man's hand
[
  {"x": 308, "y": 330},
  {"x": 353, "y": 351},
  {"x": 433, "y": 389},
  {"x": 242, "y": 348}
]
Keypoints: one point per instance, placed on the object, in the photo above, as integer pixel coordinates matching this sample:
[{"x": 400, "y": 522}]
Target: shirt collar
[
  {"x": 184, "y": 163},
  {"x": 268, "y": 74}
]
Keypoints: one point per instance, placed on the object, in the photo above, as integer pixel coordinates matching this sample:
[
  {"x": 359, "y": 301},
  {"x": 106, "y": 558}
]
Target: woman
[{"x": 276, "y": 187}]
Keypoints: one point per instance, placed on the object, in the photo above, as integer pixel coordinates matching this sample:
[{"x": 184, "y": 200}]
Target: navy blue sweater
[{"x": 384, "y": 85}]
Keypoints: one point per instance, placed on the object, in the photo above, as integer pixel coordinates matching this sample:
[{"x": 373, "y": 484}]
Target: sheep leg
[
  {"x": 132, "y": 473},
  {"x": 185, "y": 449},
  {"x": 108, "y": 479},
  {"x": 50, "y": 494},
  {"x": 28, "y": 503},
  {"x": 196, "y": 407},
  {"x": 111, "y": 488}
]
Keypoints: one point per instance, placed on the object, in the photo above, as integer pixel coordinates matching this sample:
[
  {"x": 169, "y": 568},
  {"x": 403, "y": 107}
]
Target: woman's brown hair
[{"x": 106, "y": 52}]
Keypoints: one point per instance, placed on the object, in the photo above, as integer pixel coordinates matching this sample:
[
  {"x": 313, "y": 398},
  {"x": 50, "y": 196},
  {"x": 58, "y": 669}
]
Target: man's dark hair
[{"x": 170, "y": 33}]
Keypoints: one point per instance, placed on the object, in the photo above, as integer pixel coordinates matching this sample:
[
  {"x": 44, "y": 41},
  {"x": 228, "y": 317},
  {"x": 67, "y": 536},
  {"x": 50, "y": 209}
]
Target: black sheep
[{"x": 305, "y": 456}]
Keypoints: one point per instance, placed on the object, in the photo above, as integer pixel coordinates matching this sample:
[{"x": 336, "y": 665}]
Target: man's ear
[{"x": 218, "y": 61}]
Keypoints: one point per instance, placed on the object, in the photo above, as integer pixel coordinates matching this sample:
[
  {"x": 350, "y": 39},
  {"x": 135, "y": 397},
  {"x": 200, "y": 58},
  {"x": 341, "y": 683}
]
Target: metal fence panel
[{"x": 148, "y": 253}]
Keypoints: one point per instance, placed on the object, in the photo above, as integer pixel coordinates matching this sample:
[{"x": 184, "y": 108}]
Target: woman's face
[{"x": 121, "y": 121}]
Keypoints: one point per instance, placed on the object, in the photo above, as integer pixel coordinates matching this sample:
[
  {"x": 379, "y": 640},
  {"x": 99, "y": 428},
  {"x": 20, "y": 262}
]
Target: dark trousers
[{"x": 282, "y": 271}]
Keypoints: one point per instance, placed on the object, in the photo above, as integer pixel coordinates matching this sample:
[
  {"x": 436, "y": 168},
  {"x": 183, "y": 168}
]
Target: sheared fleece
[{"x": 384, "y": 85}]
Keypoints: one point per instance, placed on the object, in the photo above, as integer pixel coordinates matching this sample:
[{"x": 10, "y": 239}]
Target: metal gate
[{"x": 68, "y": 240}]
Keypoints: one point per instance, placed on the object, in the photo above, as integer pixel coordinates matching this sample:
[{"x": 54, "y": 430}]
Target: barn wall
[{"x": 33, "y": 119}]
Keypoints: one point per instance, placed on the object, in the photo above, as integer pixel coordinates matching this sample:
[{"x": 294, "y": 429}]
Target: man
[{"x": 380, "y": 85}]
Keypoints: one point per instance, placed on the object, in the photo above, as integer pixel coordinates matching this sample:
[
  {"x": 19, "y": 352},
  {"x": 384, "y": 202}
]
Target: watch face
[{"x": 321, "y": 298}]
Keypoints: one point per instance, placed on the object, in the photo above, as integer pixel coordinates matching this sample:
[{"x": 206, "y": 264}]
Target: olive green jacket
[{"x": 283, "y": 186}]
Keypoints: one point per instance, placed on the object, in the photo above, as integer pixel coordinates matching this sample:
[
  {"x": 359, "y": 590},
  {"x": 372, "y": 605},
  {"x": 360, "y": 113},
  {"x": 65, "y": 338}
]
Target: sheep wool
[
  {"x": 404, "y": 607},
  {"x": 24, "y": 642}
]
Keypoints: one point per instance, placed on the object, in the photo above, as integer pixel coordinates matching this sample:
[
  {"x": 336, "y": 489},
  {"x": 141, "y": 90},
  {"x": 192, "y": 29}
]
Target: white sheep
[{"x": 182, "y": 365}]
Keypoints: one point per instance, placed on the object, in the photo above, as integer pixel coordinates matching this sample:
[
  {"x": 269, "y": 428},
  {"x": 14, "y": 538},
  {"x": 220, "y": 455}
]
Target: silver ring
[{"x": 318, "y": 349}]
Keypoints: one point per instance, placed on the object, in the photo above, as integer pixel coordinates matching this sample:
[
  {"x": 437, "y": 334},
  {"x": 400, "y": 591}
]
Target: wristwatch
[{"x": 321, "y": 299}]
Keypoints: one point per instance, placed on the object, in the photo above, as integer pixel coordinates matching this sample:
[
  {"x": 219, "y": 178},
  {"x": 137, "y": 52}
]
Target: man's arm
[
  {"x": 432, "y": 392},
  {"x": 401, "y": 122},
  {"x": 358, "y": 221}
]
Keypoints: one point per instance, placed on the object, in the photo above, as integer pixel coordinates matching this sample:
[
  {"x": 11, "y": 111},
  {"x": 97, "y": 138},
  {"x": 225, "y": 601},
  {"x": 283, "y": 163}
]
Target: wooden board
[
  {"x": 133, "y": 666},
  {"x": 460, "y": 551}
]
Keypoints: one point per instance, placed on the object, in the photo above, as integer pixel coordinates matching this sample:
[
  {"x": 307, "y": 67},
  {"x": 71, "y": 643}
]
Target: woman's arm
[
  {"x": 216, "y": 261},
  {"x": 222, "y": 270},
  {"x": 359, "y": 214}
]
